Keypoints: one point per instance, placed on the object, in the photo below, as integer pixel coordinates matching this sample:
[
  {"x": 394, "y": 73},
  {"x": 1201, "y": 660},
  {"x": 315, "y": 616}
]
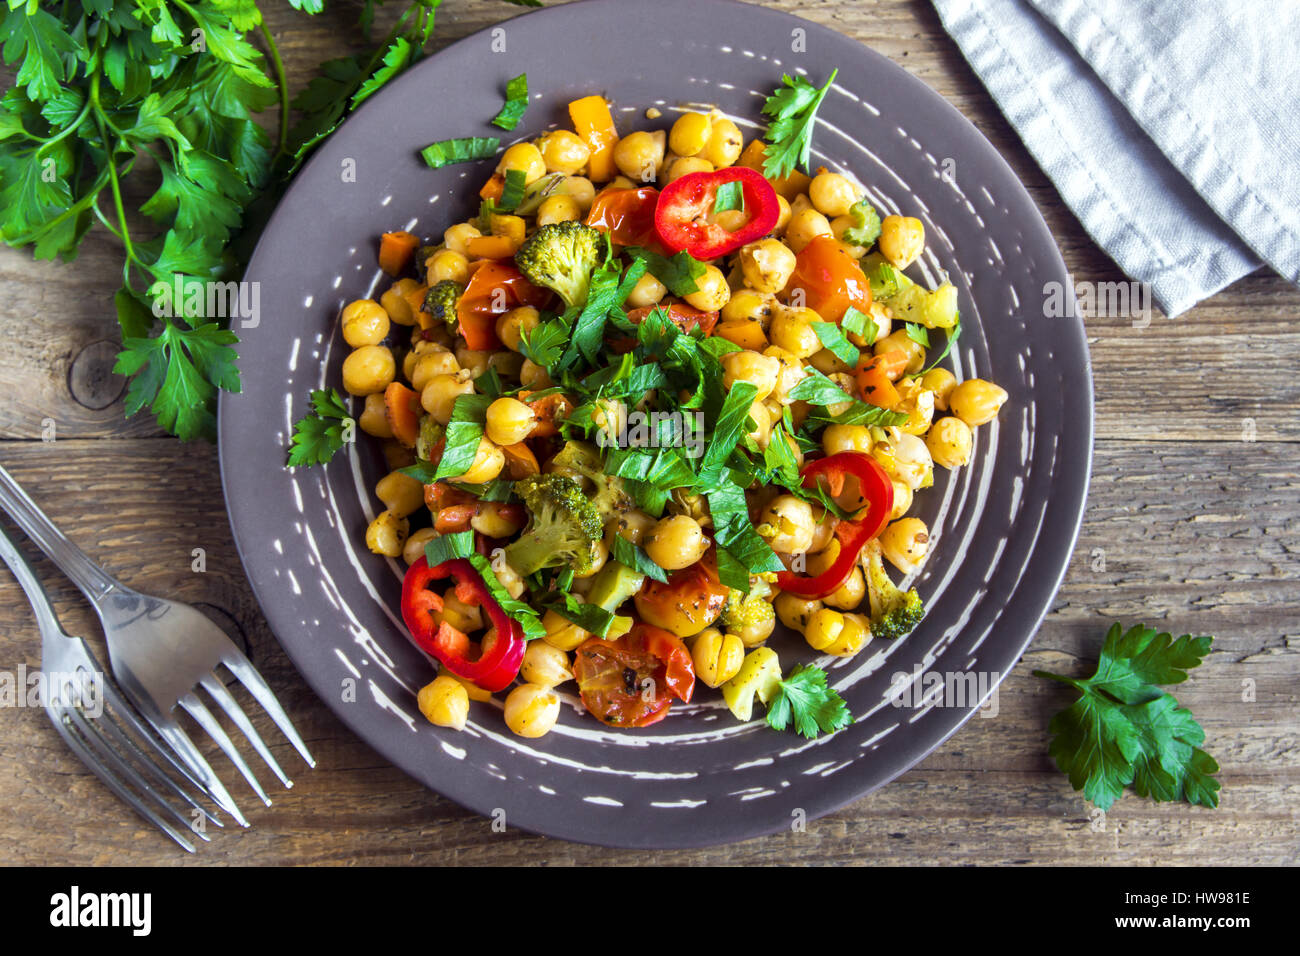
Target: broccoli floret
[
  {"x": 562, "y": 256},
  {"x": 747, "y": 610},
  {"x": 893, "y": 612},
  {"x": 579, "y": 458},
  {"x": 563, "y": 529},
  {"x": 441, "y": 301}
]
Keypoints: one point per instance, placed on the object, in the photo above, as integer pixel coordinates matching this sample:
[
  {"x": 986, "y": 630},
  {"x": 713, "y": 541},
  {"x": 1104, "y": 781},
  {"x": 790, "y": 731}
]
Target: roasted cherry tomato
[
  {"x": 628, "y": 215},
  {"x": 690, "y": 601},
  {"x": 685, "y": 219},
  {"x": 875, "y": 487},
  {"x": 630, "y": 682},
  {"x": 495, "y": 287},
  {"x": 830, "y": 278},
  {"x": 680, "y": 314}
]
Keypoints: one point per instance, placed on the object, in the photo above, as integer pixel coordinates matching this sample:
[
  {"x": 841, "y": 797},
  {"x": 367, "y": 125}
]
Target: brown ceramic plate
[{"x": 1003, "y": 528}]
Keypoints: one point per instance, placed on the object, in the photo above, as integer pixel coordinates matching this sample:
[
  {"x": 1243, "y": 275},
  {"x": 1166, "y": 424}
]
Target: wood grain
[{"x": 1193, "y": 524}]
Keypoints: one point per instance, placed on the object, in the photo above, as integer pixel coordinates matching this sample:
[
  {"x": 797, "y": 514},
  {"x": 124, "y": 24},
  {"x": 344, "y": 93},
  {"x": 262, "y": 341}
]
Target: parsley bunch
[
  {"x": 1125, "y": 731},
  {"x": 108, "y": 93}
]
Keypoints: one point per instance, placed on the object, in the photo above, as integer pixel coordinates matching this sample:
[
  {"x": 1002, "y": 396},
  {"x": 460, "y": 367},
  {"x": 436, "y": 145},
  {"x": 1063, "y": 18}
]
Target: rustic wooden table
[{"x": 1193, "y": 524}]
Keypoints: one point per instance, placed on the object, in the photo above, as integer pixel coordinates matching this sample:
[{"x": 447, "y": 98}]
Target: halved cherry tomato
[
  {"x": 628, "y": 215},
  {"x": 496, "y": 287},
  {"x": 689, "y": 602},
  {"x": 685, "y": 220},
  {"x": 830, "y": 279},
  {"x": 630, "y": 681},
  {"x": 550, "y": 411},
  {"x": 873, "y": 484},
  {"x": 680, "y": 314}
]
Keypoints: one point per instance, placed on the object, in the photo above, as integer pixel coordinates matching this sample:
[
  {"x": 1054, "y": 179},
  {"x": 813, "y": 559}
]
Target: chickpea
[
  {"x": 907, "y": 459},
  {"x": 782, "y": 216},
  {"x": 544, "y": 665},
  {"x": 495, "y": 520},
  {"x": 438, "y": 397},
  {"x": 621, "y": 182},
  {"x": 905, "y": 543},
  {"x": 683, "y": 165},
  {"x": 562, "y": 633},
  {"x": 725, "y": 143},
  {"x": 767, "y": 265},
  {"x": 976, "y": 401},
  {"x": 364, "y": 323},
  {"x": 902, "y": 499},
  {"x": 387, "y": 533},
  {"x": 401, "y": 494},
  {"x": 559, "y": 208},
  {"x": 690, "y": 134},
  {"x": 792, "y": 373},
  {"x": 753, "y": 634},
  {"x": 532, "y": 710},
  {"x": 761, "y": 371},
  {"x": 849, "y": 594},
  {"x": 464, "y": 617},
  {"x": 717, "y": 656},
  {"x": 599, "y": 555},
  {"x": 675, "y": 542},
  {"x": 941, "y": 382},
  {"x": 794, "y": 611},
  {"x": 395, "y": 304},
  {"x": 447, "y": 264},
  {"x": 761, "y": 433},
  {"x": 413, "y": 549},
  {"x": 841, "y": 635},
  {"x": 828, "y": 363},
  {"x": 457, "y": 237},
  {"x": 580, "y": 189},
  {"x": 790, "y": 520},
  {"x": 374, "y": 417},
  {"x": 488, "y": 462},
  {"x": 900, "y": 342},
  {"x": 647, "y": 291},
  {"x": 805, "y": 225},
  {"x": 712, "y": 291},
  {"x": 474, "y": 361},
  {"x": 509, "y": 578},
  {"x": 902, "y": 240},
  {"x": 510, "y": 421},
  {"x": 950, "y": 442},
  {"x": 369, "y": 369},
  {"x": 832, "y": 194},
  {"x": 532, "y": 375},
  {"x": 444, "y": 702},
  {"x": 639, "y": 155},
  {"x": 511, "y": 326},
  {"x": 563, "y": 152},
  {"x": 918, "y": 404},
  {"x": 429, "y": 364},
  {"x": 730, "y": 219},
  {"x": 633, "y": 525},
  {"x": 748, "y": 304},
  {"x": 791, "y": 329},
  {"x": 838, "y": 438},
  {"x": 396, "y": 455},
  {"x": 526, "y": 158}
]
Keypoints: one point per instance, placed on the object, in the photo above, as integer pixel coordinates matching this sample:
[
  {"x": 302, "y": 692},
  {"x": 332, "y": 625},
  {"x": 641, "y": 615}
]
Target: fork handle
[{"x": 93, "y": 580}]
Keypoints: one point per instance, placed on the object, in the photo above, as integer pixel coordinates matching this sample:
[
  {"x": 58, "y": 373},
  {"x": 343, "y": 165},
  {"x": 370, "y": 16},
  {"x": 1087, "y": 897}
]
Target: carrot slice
[
  {"x": 492, "y": 247},
  {"x": 401, "y": 405},
  {"x": 493, "y": 188},
  {"x": 874, "y": 384},
  {"x": 595, "y": 126},
  {"x": 396, "y": 250},
  {"x": 520, "y": 461}
]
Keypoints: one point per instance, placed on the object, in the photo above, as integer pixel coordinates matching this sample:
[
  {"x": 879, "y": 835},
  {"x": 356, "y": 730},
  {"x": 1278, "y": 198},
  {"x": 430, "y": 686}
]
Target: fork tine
[
  {"x": 181, "y": 743},
  {"x": 126, "y": 713},
  {"x": 240, "y": 666},
  {"x": 194, "y": 707},
  {"x": 82, "y": 749},
  {"x": 130, "y": 746},
  {"x": 218, "y": 691},
  {"x": 90, "y": 731}
]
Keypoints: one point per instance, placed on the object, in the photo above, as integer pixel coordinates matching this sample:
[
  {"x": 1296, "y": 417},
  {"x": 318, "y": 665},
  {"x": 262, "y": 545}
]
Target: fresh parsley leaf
[
  {"x": 833, "y": 338},
  {"x": 595, "y": 620},
  {"x": 806, "y": 697},
  {"x": 319, "y": 435},
  {"x": 545, "y": 343},
  {"x": 176, "y": 374},
  {"x": 917, "y": 333},
  {"x": 449, "y": 151},
  {"x": 731, "y": 424},
  {"x": 449, "y": 547},
  {"x": 525, "y": 614},
  {"x": 464, "y": 432},
  {"x": 516, "y": 103},
  {"x": 1125, "y": 731},
  {"x": 951, "y": 336},
  {"x": 734, "y": 532},
  {"x": 679, "y": 272},
  {"x": 396, "y": 58},
  {"x": 816, "y": 389},
  {"x": 632, "y": 556},
  {"x": 793, "y": 108},
  {"x": 606, "y": 294},
  {"x": 729, "y": 196},
  {"x": 865, "y": 229},
  {"x": 859, "y": 323}
]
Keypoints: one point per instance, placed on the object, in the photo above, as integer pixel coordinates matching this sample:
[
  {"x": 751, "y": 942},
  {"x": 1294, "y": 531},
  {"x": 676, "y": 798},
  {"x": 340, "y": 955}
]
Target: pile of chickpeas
[{"x": 777, "y": 345}]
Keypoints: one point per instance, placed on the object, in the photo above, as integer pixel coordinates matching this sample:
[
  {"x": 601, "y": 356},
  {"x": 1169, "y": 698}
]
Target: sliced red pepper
[
  {"x": 628, "y": 215},
  {"x": 684, "y": 217},
  {"x": 875, "y": 486},
  {"x": 493, "y": 670},
  {"x": 495, "y": 288}
]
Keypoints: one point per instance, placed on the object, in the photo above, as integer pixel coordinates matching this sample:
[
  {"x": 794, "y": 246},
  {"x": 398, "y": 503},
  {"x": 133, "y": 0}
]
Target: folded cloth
[{"x": 1167, "y": 126}]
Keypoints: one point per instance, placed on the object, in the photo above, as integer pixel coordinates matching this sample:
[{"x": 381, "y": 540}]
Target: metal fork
[
  {"x": 96, "y": 723},
  {"x": 161, "y": 652}
]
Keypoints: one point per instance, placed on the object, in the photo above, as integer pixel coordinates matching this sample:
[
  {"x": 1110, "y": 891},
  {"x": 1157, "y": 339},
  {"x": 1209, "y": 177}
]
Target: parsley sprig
[
  {"x": 1125, "y": 731},
  {"x": 806, "y": 697},
  {"x": 318, "y": 435},
  {"x": 793, "y": 108}
]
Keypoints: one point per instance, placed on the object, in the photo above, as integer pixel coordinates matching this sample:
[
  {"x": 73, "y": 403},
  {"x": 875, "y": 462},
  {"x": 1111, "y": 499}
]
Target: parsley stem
[{"x": 283, "y": 83}]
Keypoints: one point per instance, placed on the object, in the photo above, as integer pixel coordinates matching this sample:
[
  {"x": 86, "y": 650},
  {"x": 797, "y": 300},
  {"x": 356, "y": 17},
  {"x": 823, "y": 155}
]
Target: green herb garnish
[
  {"x": 789, "y": 134},
  {"x": 516, "y": 103},
  {"x": 466, "y": 149},
  {"x": 318, "y": 435}
]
